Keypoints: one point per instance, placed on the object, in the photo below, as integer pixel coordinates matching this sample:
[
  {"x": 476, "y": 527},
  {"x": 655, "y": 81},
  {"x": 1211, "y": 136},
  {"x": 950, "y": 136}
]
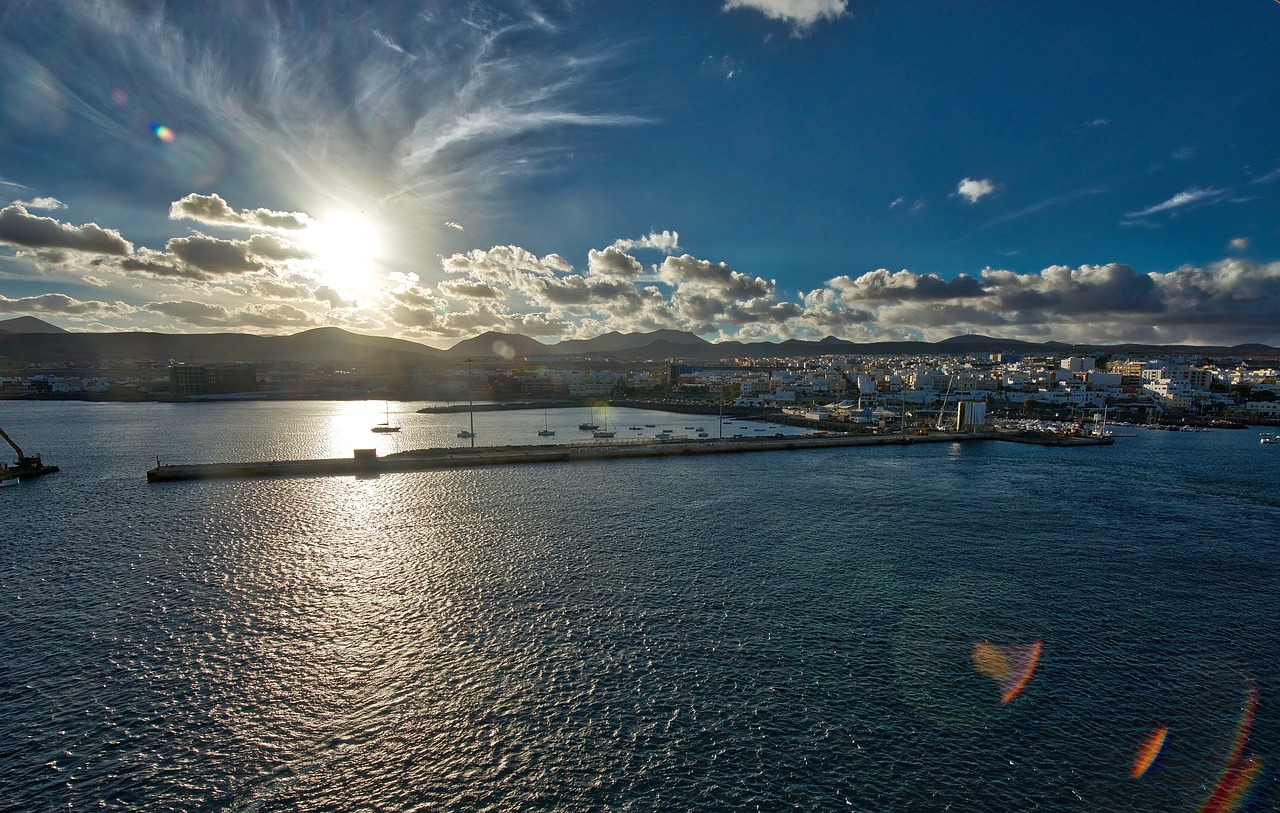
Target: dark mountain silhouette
[
  {"x": 614, "y": 341},
  {"x": 28, "y": 324},
  {"x": 497, "y": 345},
  {"x": 41, "y": 343},
  {"x": 323, "y": 345}
]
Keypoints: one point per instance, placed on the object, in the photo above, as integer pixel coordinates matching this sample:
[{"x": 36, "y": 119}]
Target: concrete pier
[{"x": 367, "y": 462}]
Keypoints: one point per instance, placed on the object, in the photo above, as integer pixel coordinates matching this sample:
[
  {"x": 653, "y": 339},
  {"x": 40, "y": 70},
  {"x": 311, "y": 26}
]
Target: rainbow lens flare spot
[
  {"x": 1148, "y": 751},
  {"x": 1010, "y": 666},
  {"x": 163, "y": 133}
]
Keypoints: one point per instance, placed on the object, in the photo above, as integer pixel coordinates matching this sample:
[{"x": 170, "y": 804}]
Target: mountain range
[{"x": 27, "y": 340}]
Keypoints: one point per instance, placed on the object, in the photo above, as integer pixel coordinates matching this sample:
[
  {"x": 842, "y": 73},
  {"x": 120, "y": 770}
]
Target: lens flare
[
  {"x": 1010, "y": 666},
  {"x": 1238, "y": 777},
  {"x": 163, "y": 133},
  {"x": 1148, "y": 751}
]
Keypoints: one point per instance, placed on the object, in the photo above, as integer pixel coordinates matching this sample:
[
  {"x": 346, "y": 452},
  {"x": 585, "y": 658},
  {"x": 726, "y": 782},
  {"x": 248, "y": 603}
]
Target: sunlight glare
[{"x": 345, "y": 246}]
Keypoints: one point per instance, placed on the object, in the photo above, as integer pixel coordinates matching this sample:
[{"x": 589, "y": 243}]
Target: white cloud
[
  {"x": 1239, "y": 244},
  {"x": 215, "y": 211},
  {"x": 666, "y": 241},
  {"x": 452, "y": 224},
  {"x": 63, "y": 305},
  {"x": 974, "y": 190},
  {"x": 1184, "y": 198},
  {"x": 41, "y": 203},
  {"x": 800, "y": 13}
]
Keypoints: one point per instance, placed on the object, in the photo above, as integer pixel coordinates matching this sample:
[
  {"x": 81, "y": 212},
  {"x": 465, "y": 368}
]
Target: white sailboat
[
  {"x": 546, "y": 431},
  {"x": 386, "y": 426},
  {"x": 604, "y": 433}
]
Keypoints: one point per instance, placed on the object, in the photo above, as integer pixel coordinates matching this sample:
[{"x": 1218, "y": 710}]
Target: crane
[
  {"x": 27, "y": 465},
  {"x": 16, "y": 447}
]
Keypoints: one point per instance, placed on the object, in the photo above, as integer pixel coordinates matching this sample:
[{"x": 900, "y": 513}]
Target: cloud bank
[{"x": 266, "y": 281}]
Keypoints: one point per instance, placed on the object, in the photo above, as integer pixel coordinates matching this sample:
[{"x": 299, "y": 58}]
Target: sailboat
[
  {"x": 603, "y": 433},
  {"x": 546, "y": 431},
  {"x": 386, "y": 426},
  {"x": 470, "y": 433},
  {"x": 592, "y": 425}
]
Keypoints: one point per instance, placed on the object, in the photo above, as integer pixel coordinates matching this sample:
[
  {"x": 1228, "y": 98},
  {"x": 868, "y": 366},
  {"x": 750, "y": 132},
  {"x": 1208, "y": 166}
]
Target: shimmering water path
[{"x": 776, "y": 632}]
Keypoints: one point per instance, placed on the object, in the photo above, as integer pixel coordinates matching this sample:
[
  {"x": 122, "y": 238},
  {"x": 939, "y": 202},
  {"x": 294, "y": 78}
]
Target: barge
[{"x": 28, "y": 466}]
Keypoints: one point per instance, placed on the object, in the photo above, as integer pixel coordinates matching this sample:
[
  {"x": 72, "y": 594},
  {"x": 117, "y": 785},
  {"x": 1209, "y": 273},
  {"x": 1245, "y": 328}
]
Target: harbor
[{"x": 367, "y": 462}]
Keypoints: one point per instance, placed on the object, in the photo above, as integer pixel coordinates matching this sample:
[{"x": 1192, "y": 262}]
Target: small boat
[
  {"x": 8, "y": 480},
  {"x": 1268, "y": 439},
  {"x": 386, "y": 426},
  {"x": 546, "y": 431},
  {"x": 651, "y": 425},
  {"x": 604, "y": 433},
  {"x": 471, "y": 411},
  {"x": 636, "y": 428}
]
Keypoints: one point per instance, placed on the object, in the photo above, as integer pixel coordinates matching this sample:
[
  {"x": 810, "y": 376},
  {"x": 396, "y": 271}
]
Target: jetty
[{"x": 367, "y": 462}]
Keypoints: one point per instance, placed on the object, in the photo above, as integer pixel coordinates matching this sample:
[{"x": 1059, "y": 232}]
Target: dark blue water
[{"x": 774, "y": 631}]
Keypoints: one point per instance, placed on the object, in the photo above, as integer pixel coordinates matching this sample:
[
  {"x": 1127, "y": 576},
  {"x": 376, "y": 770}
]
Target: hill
[
  {"x": 36, "y": 342},
  {"x": 323, "y": 345},
  {"x": 28, "y": 324}
]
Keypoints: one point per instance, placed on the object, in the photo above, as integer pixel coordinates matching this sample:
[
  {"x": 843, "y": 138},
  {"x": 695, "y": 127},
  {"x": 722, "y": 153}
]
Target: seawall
[{"x": 366, "y": 462}]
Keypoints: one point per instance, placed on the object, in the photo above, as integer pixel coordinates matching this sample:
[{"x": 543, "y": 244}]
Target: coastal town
[{"x": 874, "y": 390}]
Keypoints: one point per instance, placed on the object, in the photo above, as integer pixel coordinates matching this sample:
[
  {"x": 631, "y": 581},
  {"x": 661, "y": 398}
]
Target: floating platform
[{"x": 366, "y": 462}]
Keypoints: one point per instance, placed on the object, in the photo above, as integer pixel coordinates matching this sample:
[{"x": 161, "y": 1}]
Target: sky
[{"x": 741, "y": 169}]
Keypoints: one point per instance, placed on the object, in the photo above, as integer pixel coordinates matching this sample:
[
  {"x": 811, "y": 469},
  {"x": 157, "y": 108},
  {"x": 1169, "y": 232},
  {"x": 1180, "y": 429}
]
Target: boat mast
[{"x": 471, "y": 403}]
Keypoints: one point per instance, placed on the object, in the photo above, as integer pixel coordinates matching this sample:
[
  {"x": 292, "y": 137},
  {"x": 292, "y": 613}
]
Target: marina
[{"x": 818, "y": 608}]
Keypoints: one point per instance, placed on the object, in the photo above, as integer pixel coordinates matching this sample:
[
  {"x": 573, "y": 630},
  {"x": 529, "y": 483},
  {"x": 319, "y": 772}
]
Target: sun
[{"x": 345, "y": 247}]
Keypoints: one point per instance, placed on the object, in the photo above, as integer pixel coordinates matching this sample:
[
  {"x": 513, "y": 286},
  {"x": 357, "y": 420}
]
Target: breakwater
[{"x": 366, "y": 462}]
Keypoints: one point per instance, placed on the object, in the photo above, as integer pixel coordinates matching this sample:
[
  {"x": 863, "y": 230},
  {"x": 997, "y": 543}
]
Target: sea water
[{"x": 982, "y": 626}]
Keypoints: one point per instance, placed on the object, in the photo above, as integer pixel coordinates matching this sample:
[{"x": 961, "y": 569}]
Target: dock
[{"x": 366, "y": 462}]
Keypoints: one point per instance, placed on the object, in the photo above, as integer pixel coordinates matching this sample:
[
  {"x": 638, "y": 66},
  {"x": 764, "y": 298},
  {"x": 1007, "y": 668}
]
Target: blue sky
[{"x": 754, "y": 169}]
